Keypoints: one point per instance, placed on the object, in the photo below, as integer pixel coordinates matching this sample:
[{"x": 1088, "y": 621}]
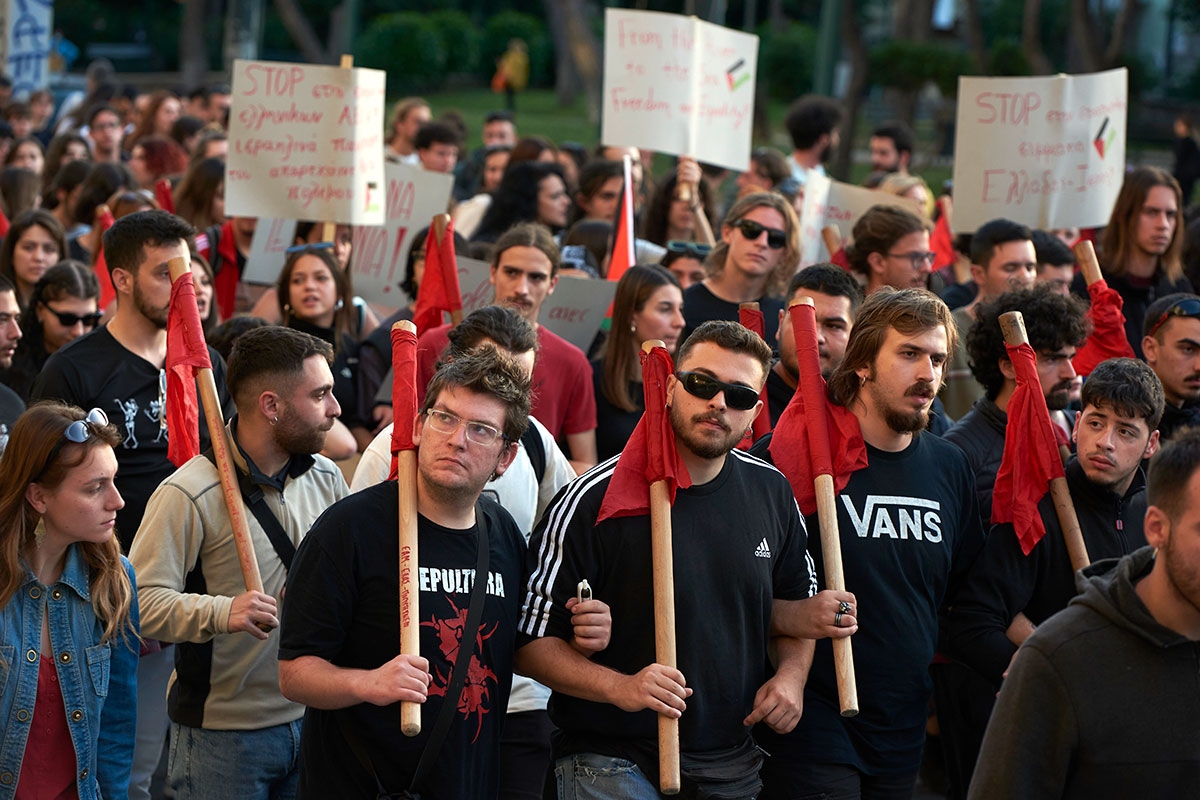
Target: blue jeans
[
  {"x": 248, "y": 765},
  {"x": 587, "y": 776}
]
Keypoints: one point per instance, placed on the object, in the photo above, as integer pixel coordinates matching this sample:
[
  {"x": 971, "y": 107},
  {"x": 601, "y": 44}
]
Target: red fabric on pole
[
  {"x": 439, "y": 290},
  {"x": 108, "y": 292},
  {"x": 1031, "y": 458},
  {"x": 162, "y": 193},
  {"x": 650, "y": 454},
  {"x": 404, "y": 392},
  {"x": 841, "y": 259},
  {"x": 4, "y": 223},
  {"x": 813, "y": 436},
  {"x": 941, "y": 241},
  {"x": 623, "y": 253},
  {"x": 752, "y": 319},
  {"x": 225, "y": 282},
  {"x": 1107, "y": 339},
  {"x": 186, "y": 354}
]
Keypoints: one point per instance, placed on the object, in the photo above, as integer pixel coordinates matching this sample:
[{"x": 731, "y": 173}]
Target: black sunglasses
[
  {"x": 308, "y": 247},
  {"x": 694, "y": 249},
  {"x": 1189, "y": 307},
  {"x": 776, "y": 239},
  {"x": 69, "y": 320},
  {"x": 742, "y": 398},
  {"x": 78, "y": 432}
]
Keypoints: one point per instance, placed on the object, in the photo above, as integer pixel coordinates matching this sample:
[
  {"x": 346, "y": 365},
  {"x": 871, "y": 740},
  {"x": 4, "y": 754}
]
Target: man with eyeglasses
[
  {"x": 1003, "y": 259},
  {"x": 685, "y": 260},
  {"x": 759, "y": 249},
  {"x": 104, "y": 132},
  {"x": 233, "y": 734},
  {"x": 341, "y": 622},
  {"x": 739, "y": 548},
  {"x": 1171, "y": 346},
  {"x": 891, "y": 248},
  {"x": 119, "y": 368},
  {"x": 11, "y": 404}
]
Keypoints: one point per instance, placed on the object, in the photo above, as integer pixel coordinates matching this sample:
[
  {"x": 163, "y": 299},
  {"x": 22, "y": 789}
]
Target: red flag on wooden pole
[
  {"x": 752, "y": 318},
  {"x": 162, "y": 193},
  {"x": 187, "y": 353},
  {"x": 104, "y": 220},
  {"x": 438, "y": 291},
  {"x": 1107, "y": 338}
]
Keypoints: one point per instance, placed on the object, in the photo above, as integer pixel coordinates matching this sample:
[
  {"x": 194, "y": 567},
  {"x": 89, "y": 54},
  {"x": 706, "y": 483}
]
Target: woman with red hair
[{"x": 156, "y": 157}]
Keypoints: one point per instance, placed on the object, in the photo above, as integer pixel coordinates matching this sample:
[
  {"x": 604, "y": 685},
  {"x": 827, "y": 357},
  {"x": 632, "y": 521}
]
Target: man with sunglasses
[
  {"x": 119, "y": 368},
  {"x": 233, "y": 734},
  {"x": 759, "y": 249},
  {"x": 1171, "y": 346},
  {"x": 739, "y": 546},
  {"x": 11, "y": 404}
]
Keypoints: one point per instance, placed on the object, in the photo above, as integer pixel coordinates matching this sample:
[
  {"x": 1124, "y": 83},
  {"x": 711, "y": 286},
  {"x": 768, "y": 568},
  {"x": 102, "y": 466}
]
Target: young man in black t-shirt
[
  {"x": 340, "y": 627},
  {"x": 909, "y": 525}
]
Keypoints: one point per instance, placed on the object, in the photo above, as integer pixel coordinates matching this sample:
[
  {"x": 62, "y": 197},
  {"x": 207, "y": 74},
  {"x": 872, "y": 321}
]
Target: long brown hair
[
  {"x": 1120, "y": 235},
  {"x": 620, "y": 356},
  {"x": 30, "y": 446},
  {"x": 788, "y": 262},
  {"x": 341, "y": 282}
]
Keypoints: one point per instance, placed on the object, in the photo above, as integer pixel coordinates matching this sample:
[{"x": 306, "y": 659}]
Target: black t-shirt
[
  {"x": 11, "y": 407},
  {"x": 96, "y": 371},
  {"x": 739, "y": 543},
  {"x": 614, "y": 425},
  {"x": 909, "y": 527},
  {"x": 779, "y": 394},
  {"x": 700, "y": 305},
  {"x": 342, "y": 605}
]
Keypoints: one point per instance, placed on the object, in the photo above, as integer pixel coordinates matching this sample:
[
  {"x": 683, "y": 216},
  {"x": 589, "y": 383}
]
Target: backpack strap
[
  {"x": 531, "y": 440},
  {"x": 256, "y": 501}
]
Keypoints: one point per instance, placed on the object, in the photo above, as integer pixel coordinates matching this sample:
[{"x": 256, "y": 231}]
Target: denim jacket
[{"x": 99, "y": 681}]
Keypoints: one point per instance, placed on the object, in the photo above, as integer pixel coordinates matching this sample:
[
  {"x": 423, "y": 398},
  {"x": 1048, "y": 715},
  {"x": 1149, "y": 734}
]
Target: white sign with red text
[
  {"x": 268, "y": 250},
  {"x": 830, "y": 202}
]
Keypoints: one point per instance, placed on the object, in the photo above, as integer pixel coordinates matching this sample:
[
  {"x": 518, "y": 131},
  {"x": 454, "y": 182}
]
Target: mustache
[
  {"x": 1101, "y": 456},
  {"x": 921, "y": 389},
  {"x": 712, "y": 416}
]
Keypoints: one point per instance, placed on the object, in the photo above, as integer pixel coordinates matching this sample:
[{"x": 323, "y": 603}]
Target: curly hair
[{"x": 486, "y": 371}]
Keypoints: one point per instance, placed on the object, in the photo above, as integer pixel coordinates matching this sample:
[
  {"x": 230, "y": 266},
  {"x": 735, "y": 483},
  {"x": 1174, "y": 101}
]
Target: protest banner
[
  {"x": 678, "y": 85},
  {"x": 413, "y": 196},
  {"x": 830, "y": 202},
  {"x": 272, "y": 238},
  {"x": 305, "y": 142},
  {"x": 1048, "y": 152},
  {"x": 25, "y": 38}
]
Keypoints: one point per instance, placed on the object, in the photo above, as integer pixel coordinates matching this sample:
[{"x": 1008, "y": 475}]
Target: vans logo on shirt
[
  {"x": 763, "y": 550},
  {"x": 896, "y": 517}
]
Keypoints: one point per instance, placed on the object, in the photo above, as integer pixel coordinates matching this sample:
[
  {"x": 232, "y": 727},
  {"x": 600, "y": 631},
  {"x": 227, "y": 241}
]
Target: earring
[
  {"x": 39, "y": 533},
  {"x": 275, "y": 421},
  {"x": 632, "y": 328},
  {"x": 862, "y": 381},
  {"x": 749, "y": 432}
]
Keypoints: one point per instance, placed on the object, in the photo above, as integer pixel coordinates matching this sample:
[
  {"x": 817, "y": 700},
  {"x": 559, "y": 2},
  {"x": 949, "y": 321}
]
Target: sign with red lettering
[
  {"x": 306, "y": 142},
  {"x": 268, "y": 250},
  {"x": 411, "y": 198},
  {"x": 830, "y": 202},
  {"x": 678, "y": 85},
  {"x": 1047, "y": 152}
]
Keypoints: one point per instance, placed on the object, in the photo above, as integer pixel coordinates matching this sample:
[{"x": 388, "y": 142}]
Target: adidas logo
[{"x": 763, "y": 550}]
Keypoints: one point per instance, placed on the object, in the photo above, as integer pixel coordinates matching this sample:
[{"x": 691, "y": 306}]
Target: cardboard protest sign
[
  {"x": 272, "y": 238},
  {"x": 678, "y": 85},
  {"x": 25, "y": 38},
  {"x": 305, "y": 142},
  {"x": 1047, "y": 152},
  {"x": 830, "y": 202},
  {"x": 412, "y": 197}
]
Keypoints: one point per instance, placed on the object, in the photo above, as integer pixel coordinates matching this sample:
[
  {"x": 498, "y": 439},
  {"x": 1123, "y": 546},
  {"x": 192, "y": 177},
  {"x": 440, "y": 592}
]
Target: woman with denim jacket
[{"x": 68, "y": 611}]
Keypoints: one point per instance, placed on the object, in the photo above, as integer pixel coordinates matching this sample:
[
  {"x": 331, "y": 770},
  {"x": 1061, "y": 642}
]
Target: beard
[
  {"x": 297, "y": 437},
  {"x": 903, "y": 420},
  {"x": 711, "y": 446},
  {"x": 158, "y": 316},
  {"x": 1059, "y": 396},
  {"x": 1182, "y": 573}
]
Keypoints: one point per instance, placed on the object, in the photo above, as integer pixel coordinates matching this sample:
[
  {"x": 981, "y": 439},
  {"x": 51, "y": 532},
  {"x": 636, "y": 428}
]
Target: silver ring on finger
[
  {"x": 837, "y": 620},
  {"x": 845, "y": 607}
]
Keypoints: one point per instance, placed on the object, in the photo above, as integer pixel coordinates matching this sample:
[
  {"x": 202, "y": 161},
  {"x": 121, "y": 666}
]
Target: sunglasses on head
[
  {"x": 1189, "y": 307},
  {"x": 741, "y": 398},
  {"x": 776, "y": 239},
  {"x": 69, "y": 320},
  {"x": 308, "y": 247},
  {"x": 77, "y": 432},
  {"x": 694, "y": 249}
]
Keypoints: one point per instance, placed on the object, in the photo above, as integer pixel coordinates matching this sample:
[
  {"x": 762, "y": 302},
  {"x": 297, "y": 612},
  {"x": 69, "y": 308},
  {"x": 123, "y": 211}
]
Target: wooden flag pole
[
  {"x": 410, "y": 630},
  {"x": 832, "y": 239},
  {"x": 1012, "y": 324},
  {"x": 178, "y": 267},
  {"x": 329, "y": 231},
  {"x": 1088, "y": 265},
  {"x": 662, "y": 559}
]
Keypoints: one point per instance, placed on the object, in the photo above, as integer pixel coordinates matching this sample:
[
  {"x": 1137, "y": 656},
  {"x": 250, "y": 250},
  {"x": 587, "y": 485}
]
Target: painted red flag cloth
[
  {"x": 752, "y": 319},
  {"x": 162, "y": 193},
  {"x": 623, "y": 242},
  {"x": 814, "y": 436},
  {"x": 404, "y": 392},
  {"x": 1031, "y": 458},
  {"x": 187, "y": 353},
  {"x": 104, "y": 219},
  {"x": 650, "y": 454},
  {"x": 438, "y": 290},
  {"x": 1107, "y": 339},
  {"x": 941, "y": 241}
]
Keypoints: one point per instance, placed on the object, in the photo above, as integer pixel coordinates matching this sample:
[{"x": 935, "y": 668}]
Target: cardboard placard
[
  {"x": 272, "y": 238},
  {"x": 26, "y": 32},
  {"x": 830, "y": 202}
]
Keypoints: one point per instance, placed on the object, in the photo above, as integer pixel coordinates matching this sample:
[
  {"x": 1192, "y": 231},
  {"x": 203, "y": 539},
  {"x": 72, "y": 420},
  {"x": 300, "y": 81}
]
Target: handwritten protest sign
[
  {"x": 305, "y": 142},
  {"x": 678, "y": 85},
  {"x": 1047, "y": 152},
  {"x": 272, "y": 238},
  {"x": 830, "y": 202},
  {"x": 25, "y": 34},
  {"x": 413, "y": 196}
]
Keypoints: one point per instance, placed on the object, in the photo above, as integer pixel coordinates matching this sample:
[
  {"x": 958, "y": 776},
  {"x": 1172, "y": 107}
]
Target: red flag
[
  {"x": 941, "y": 241},
  {"x": 1031, "y": 458},
  {"x": 404, "y": 391},
  {"x": 814, "y": 436},
  {"x": 162, "y": 193},
  {"x": 623, "y": 253},
  {"x": 108, "y": 293},
  {"x": 650, "y": 454},
  {"x": 4, "y": 223},
  {"x": 227, "y": 277},
  {"x": 1107, "y": 339},
  {"x": 752, "y": 319},
  {"x": 438, "y": 290},
  {"x": 186, "y": 354}
]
